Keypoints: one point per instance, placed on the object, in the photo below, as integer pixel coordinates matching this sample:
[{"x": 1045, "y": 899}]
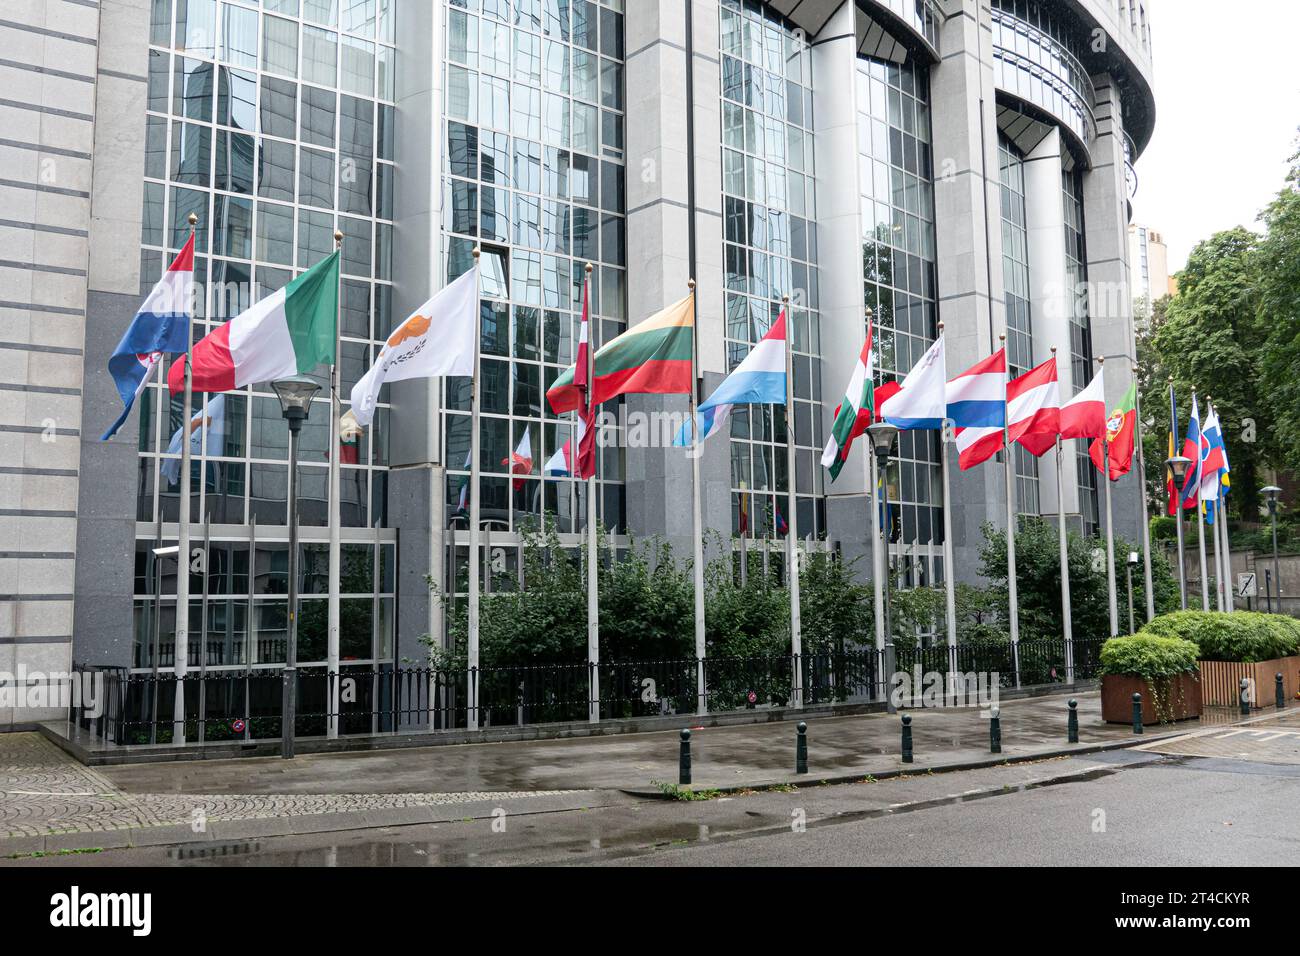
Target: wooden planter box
[
  {"x": 1221, "y": 681},
  {"x": 1117, "y": 692}
]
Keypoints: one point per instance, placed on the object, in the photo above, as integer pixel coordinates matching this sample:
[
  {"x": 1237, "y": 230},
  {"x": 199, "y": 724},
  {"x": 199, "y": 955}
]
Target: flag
[
  {"x": 437, "y": 339},
  {"x": 161, "y": 325},
  {"x": 586, "y": 428},
  {"x": 1084, "y": 416},
  {"x": 854, "y": 414},
  {"x": 212, "y": 419},
  {"x": 1034, "y": 409},
  {"x": 920, "y": 401},
  {"x": 521, "y": 461},
  {"x": 758, "y": 380},
  {"x": 350, "y": 433},
  {"x": 978, "y": 409},
  {"x": 1192, "y": 449},
  {"x": 462, "y": 501},
  {"x": 1214, "y": 461},
  {"x": 744, "y": 512},
  {"x": 653, "y": 358},
  {"x": 884, "y": 393},
  {"x": 779, "y": 519},
  {"x": 289, "y": 332},
  {"x": 1121, "y": 427}
]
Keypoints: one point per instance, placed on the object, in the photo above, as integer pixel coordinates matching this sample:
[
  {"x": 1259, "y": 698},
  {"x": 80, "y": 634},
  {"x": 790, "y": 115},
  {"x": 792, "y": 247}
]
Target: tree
[{"x": 1279, "y": 311}]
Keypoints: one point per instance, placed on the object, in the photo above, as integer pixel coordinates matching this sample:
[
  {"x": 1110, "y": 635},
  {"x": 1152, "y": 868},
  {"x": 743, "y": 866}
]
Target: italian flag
[
  {"x": 653, "y": 358},
  {"x": 1120, "y": 429},
  {"x": 855, "y": 414},
  {"x": 288, "y": 333}
]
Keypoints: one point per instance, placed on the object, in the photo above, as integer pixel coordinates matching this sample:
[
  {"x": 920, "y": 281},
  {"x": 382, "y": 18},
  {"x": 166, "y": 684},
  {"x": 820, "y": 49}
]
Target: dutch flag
[{"x": 977, "y": 405}]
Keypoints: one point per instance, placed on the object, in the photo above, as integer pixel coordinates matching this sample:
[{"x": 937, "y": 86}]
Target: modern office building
[
  {"x": 1149, "y": 260},
  {"x": 958, "y": 161}
]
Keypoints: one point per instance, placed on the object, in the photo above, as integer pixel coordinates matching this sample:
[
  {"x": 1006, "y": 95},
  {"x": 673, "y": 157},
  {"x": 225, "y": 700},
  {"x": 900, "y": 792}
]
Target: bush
[
  {"x": 1241, "y": 636},
  {"x": 1148, "y": 657}
]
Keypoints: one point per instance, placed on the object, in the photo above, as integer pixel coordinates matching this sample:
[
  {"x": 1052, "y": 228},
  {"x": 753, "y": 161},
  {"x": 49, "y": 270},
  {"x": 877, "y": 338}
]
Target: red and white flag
[
  {"x": 521, "y": 462},
  {"x": 1034, "y": 409},
  {"x": 1084, "y": 416}
]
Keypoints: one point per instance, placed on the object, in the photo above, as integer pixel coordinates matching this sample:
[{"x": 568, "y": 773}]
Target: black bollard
[
  {"x": 1072, "y": 728},
  {"x": 907, "y": 738},
  {"x": 801, "y": 749},
  {"x": 995, "y": 731},
  {"x": 1245, "y": 697},
  {"x": 1280, "y": 690},
  {"x": 684, "y": 760},
  {"x": 1137, "y": 713}
]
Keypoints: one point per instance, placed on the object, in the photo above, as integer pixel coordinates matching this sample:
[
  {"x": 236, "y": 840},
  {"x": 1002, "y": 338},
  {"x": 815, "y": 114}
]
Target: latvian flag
[{"x": 977, "y": 405}]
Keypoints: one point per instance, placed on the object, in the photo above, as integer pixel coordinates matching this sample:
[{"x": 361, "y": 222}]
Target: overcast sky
[{"x": 1227, "y": 83}]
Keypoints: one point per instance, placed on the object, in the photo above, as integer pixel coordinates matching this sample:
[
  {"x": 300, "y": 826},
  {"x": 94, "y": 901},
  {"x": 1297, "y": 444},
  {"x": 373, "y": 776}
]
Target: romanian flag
[{"x": 651, "y": 358}]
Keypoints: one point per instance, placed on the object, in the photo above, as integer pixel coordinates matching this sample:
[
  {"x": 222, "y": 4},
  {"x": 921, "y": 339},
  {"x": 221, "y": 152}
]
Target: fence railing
[{"x": 245, "y": 705}]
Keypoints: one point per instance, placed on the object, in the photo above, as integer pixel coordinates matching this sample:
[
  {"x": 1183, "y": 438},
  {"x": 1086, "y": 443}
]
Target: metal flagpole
[
  {"x": 203, "y": 621},
  {"x": 697, "y": 522},
  {"x": 1110, "y": 544},
  {"x": 182, "y": 643},
  {"x": 335, "y": 513},
  {"x": 593, "y": 554},
  {"x": 471, "y": 692},
  {"x": 1178, "y": 499},
  {"x": 792, "y": 521},
  {"x": 1013, "y": 608},
  {"x": 949, "y": 577},
  {"x": 878, "y": 562},
  {"x": 744, "y": 541},
  {"x": 1200, "y": 523},
  {"x": 1142, "y": 503},
  {"x": 1063, "y": 546}
]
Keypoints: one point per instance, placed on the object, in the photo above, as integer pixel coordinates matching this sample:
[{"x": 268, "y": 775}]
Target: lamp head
[
  {"x": 295, "y": 396},
  {"x": 1179, "y": 466},
  {"x": 883, "y": 435},
  {"x": 1271, "y": 492}
]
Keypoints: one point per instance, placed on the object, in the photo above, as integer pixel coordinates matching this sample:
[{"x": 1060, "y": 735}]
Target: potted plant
[
  {"x": 1247, "y": 645},
  {"x": 1162, "y": 669}
]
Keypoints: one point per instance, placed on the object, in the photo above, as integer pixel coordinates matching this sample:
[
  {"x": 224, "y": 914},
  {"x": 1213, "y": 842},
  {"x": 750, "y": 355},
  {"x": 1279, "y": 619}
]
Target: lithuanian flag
[{"x": 651, "y": 358}]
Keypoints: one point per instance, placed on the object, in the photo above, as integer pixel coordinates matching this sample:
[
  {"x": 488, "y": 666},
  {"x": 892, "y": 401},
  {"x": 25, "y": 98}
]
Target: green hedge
[
  {"x": 1241, "y": 636},
  {"x": 1149, "y": 657}
]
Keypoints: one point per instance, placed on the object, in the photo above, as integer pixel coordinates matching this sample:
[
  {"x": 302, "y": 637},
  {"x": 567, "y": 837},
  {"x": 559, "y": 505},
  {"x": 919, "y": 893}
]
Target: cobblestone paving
[
  {"x": 1276, "y": 742},
  {"x": 43, "y": 791}
]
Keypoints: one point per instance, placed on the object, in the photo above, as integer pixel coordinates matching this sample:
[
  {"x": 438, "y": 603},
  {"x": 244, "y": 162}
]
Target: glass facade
[
  {"x": 770, "y": 251},
  {"x": 1081, "y": 356},
  {"x": 896, "y": 181},
  {"x": 273, "y": 123},
  {"x": 533, "y": 171}
]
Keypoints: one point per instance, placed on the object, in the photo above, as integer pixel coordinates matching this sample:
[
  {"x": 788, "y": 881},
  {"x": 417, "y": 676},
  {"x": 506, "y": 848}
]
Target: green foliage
[
  {"x": 1278, "y": 271},
  {"x": 1241, "y": 636},
  {"x": 834, "y": 606},
  {"x": 1154, "y": 659}
]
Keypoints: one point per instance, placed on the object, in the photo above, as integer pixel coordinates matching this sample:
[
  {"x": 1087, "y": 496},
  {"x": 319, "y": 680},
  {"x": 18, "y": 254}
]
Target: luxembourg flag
[
  {"x": 1034, "y": 409},
  {"x": 161, "y": 325},
  {"x": 758, "y": 380},
  {"x": 977, "y": 405},
  {"x": 920, "y": 401}
]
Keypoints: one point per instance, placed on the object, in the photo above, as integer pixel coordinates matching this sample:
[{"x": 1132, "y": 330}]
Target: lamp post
[
  {"x": 295, "y": 405},
  {"x": 1177, "y": 467},
  {"x": 1271, "y": 492},
  {"x": 883, "y": 436}
]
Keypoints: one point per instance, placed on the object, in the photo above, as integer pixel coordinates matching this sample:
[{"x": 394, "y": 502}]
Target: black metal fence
[{"x": 245, "y": 705}]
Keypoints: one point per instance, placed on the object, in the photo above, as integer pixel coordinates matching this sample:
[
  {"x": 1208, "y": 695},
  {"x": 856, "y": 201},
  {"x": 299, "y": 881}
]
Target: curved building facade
[{"x": 964, "y": 162}]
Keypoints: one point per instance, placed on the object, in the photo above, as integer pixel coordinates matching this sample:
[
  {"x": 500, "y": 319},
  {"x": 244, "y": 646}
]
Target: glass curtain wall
[
  {"x": 272, "y": 123},
  {"x": 1081, "y": 355}
]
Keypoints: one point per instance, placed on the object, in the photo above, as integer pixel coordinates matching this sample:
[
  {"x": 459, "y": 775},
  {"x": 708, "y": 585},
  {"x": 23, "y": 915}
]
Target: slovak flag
[
  {"x": 977, "y": 405},
  {"x": 521, "y": 462},
  {"x": 1213, "y": 458},
  {"x": 162, "y": 325},
  {"x": 1034, "y": 409},
  {"x": 758, "y": 380}
]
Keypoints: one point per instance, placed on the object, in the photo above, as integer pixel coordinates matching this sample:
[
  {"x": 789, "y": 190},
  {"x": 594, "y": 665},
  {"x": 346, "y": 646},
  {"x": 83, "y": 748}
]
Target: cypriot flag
[{"x": 438, "y": 339}]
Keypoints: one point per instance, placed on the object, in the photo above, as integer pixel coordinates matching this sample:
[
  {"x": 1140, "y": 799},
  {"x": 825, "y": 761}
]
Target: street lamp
[
  {"x": 295, "y": 405},
  {"x": 1271, "y": 493},
  {"x": 1177, "y": 468},
  {"x": 882, "y": 436}
]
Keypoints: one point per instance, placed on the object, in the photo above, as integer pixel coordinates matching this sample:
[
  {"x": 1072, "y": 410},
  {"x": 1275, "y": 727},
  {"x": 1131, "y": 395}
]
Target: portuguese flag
[
  {"x": 1120, "y": 429},
  {"x": 651, "y": 358},
  {"x": 289, "y": 332},
  {"x": 855, "y": 414}
]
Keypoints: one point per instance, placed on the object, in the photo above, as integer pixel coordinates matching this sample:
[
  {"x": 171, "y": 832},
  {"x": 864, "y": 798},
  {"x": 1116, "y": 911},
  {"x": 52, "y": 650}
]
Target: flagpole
[
  {"x": 1200, "y": 514},
  {"x": 471, "y": 698},
  {"x": 1177, "y": 498},
  {"x": 1142, "y": 502},
  {"x": 744, "y": 541},
  {"x": 1013, "y": 609},
  {"x": 792, "y": 521},
  {"x": 949, "y": 575},
  {"x": 877, "y": 563},
  {"x": 335, "y": 512},
  {"x": 1214, "y": 502},
  {"x": 593, "y": 556},
  {"x": 1111, "y": 597},
  {"x": 697, "y": 522},
  {"x": 182, "y": 641},
  {"x": 1063, "y": 547}
]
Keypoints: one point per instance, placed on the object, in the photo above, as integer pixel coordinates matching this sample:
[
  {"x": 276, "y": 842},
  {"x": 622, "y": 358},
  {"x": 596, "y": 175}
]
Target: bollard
[
  {"x": 801, "y": 749},
  {"x": 684, "y": 760},
  {"x": 1137, "y": 713},
  {"x": 1245, "y": 697},
  {"x": 1072, "y": 728},
  {"x": 995, "y": 731},
  {"x": 907, "y": 738},
  {"x": 1280, "y": 691}
]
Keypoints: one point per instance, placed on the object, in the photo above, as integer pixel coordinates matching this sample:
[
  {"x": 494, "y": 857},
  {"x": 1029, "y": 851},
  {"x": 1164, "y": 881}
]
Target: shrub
[
  {"x": 1154, "y": 659},
  {"x": 1241, "y": 636}
]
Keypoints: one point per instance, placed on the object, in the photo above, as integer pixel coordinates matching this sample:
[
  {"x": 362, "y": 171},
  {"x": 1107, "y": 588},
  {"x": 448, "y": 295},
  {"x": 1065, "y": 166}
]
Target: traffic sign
[{"x": 1247, "y": 585}]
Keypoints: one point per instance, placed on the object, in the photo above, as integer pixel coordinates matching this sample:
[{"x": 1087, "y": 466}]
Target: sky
[{"x": 1227, "y": 86}]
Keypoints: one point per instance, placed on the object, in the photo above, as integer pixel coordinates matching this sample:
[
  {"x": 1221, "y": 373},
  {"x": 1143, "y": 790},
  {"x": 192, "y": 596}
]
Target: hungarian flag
[
  {"x": 653, "y": 358},
  {"x": 521, "y": 461},
  {"x": 289, "y": 332},
  {"x": 854, "y": 415},
  {"x": 1120, "y": 429}
]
